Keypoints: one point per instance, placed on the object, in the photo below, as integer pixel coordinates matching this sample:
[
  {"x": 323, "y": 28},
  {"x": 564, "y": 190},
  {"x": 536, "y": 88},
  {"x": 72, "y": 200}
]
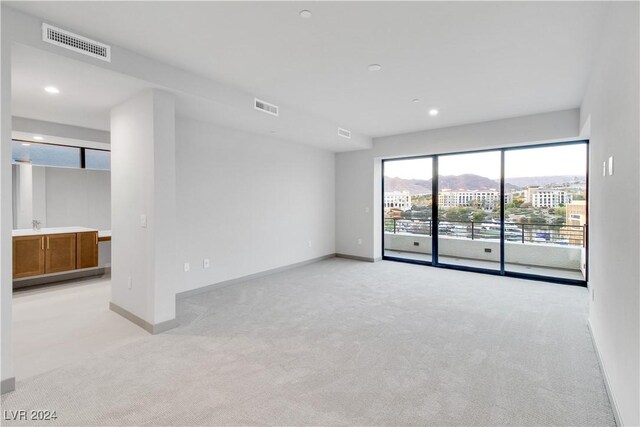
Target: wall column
[{"x": 143, "y": 218}]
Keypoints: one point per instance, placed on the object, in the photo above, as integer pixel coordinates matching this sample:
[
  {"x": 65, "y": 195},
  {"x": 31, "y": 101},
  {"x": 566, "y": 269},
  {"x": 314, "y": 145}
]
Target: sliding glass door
[
  {"x": 469, "y": 210},
  {"x": 407, "y": 209},
  {"x": 546, "y": 211},
  {"x": 519, "y": 211}
]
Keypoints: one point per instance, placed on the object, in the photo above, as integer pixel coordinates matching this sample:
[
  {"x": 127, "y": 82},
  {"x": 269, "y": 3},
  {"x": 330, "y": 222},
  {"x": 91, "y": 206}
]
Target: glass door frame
[{"x": 435, "y": 211}]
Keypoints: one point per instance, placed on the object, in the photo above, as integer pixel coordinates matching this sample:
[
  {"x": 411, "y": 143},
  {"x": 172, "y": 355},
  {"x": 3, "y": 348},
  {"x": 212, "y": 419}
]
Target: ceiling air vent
[
  {"x": 344, "y": 133},
  {"x": 75, "y": 42},
  {"x": 266, "y": 107}
]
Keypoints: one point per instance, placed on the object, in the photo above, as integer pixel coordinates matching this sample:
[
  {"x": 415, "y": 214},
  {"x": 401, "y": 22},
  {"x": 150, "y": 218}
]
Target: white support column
[
  {"x": 6, "y": 212},
  {"x": 143, "y": 215}
]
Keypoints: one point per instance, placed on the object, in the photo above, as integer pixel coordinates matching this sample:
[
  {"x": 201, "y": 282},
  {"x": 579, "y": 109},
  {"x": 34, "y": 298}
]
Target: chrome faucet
[{"x": 36, "y": 225}]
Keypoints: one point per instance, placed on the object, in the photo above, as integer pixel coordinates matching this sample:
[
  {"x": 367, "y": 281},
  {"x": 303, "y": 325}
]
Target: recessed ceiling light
[
  {"x": 52, "y": 89},
  {"x": 415, "y": 100},
  {"x": 305, "y": 14},
  {"x": 38, "y": 138},
  {"x": 433, "y": 112},
  {"x": 26, "y": 144},
  {"x": 375, "y": 67}
]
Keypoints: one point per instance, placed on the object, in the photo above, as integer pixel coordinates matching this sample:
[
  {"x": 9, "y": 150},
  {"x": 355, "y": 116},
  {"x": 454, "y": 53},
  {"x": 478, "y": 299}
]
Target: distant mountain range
[
  {"x": 546, "y": 180},
  {"x": 474, "y": 182}
]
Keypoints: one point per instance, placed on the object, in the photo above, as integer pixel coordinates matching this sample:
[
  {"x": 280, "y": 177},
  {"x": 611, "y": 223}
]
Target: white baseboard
[
  {"x": 607, "y": 385},
  {"x": 207, "y": 288}
]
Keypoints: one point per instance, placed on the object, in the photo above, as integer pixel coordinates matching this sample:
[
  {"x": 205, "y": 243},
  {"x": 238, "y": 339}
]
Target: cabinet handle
[
  {"x": 47, "y": 242},
  {"x": 96, "y": 238},
  {"x": 42, "y": 243}
]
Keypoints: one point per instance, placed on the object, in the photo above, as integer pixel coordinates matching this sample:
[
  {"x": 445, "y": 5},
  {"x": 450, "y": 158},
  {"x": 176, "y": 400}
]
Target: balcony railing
[{"x": 559, "y": 234}]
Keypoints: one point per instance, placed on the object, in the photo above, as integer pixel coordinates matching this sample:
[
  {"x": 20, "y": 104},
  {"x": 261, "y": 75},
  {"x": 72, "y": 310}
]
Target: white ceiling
[
  {"x": 87, "y": 93},
  {"x": 473, "y": 61}
]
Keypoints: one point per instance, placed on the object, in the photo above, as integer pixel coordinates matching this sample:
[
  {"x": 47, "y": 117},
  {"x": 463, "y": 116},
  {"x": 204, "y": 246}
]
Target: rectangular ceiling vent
[
  {"x": 75, "y": 42},
  {"x": 266, "y": 107},
  {"x": 344, "y": 133}
]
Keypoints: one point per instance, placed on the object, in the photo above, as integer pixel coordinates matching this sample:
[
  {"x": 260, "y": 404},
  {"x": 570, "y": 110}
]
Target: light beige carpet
[{"x": 341, "y": 343}]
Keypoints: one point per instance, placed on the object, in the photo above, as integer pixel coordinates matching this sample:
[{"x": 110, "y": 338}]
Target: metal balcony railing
[{"x": 560, "y": 234}]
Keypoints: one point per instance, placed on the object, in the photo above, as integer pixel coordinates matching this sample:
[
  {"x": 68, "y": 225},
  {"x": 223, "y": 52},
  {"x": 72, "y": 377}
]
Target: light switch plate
[
  {"x": 206, "y": 263},
  {"x": 604, "y": 168},
  {"x": 187, "y": 267},
  {"x": 610, "y": 165},
  {"x": 143, "y": 221}
]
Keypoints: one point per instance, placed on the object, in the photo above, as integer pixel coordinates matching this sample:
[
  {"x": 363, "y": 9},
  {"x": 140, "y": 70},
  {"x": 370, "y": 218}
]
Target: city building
[
  {"x": 485, "y": 199},
  {"x": 540, "y": 197},
  {"x": 397, "y": 199},
  {"x": 576, "y": 219}
]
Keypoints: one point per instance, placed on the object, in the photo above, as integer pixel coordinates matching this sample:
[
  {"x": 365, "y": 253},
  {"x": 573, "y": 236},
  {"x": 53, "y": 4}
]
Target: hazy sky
[{"x": 547, "y": 161}]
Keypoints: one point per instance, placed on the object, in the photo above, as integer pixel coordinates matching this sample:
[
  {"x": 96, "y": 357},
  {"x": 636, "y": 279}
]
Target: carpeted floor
[{"x": 346, "y": 342}]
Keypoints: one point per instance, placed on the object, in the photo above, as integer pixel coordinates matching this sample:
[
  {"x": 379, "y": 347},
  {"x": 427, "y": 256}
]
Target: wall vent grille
[
  {"x": 266, "y": 107},
  {"x": 344, "y": 133},
  {"x": 75, "y": 42}
]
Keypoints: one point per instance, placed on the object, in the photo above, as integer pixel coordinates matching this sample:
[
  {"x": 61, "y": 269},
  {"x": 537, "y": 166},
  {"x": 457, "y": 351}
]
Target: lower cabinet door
[
  {"x": 87, "y": 253},
  {"x": 60, "y": 252},
  {"x": 28, "y": 256}
]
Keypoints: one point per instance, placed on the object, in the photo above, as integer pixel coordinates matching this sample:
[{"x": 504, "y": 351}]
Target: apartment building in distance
[
  {"x": 487, "y": 199},
  {"x": 398, "y": 200},
  {"x": 547, "y": 197}
]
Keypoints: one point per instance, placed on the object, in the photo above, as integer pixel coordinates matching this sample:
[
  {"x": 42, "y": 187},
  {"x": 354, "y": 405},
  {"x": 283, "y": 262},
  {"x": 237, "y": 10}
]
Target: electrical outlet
[
  {"x": 187, "y": 267},
  {"x": 143, "y": 221},
  {"x": 206, "y": 263},
  {"x": 129, "y": 282}
]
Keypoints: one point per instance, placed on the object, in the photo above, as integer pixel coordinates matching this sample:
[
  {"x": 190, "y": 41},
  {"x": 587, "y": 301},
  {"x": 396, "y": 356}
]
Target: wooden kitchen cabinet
[
  {"x": 60, "y": 252},
  {"x": 87, "y": 250},
  {"x": 28, "y": 256}
]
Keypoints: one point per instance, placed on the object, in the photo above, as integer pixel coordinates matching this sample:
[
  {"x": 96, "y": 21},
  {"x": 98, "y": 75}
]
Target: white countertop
[
  {"x": 104, "y": 233},
  {"x": 52, "y": 230}
]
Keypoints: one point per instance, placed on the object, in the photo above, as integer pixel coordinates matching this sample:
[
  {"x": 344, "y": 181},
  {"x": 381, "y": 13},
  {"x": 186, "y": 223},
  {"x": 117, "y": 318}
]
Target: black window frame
[{"x": 82, "y": 153}]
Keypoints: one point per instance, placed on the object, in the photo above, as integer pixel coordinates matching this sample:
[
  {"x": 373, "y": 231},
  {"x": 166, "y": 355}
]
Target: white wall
[
  {"x": 77, "y": 197},
  {"x": 611, "y": 105},
  {"x": 61, "y": 197},
  {"x": 249, "y": 203},
  {"x": 6, "y": 287},
  {"x": 75, "y": 133},
  {"x": 358, "y": 180}
]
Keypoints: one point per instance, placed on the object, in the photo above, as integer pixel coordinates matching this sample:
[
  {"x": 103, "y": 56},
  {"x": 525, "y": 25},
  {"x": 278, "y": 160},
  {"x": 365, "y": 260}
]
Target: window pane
[
  {"x": 546, "y": 211},
  {"x": 469, "y": 210},
  {"x": 407, "y": 208},
  {"x": 46, "y": 154},
  {"x": 97, "y": 159}
]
